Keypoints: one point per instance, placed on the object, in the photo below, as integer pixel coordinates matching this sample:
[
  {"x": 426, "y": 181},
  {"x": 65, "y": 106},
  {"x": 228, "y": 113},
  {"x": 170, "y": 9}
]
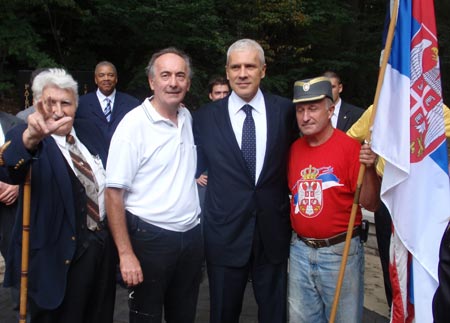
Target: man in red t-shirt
[{"x": 322, "y": 174}]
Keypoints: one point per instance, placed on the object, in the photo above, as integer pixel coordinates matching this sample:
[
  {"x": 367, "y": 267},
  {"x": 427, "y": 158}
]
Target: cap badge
[{"x": 306, "y": 87}]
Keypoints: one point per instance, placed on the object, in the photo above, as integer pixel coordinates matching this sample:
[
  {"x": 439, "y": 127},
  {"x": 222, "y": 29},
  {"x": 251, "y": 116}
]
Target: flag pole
[{"x": 362, "y": 169}]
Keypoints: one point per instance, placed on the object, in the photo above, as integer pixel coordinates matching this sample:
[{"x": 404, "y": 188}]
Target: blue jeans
[{"x": 312, "y": 279}]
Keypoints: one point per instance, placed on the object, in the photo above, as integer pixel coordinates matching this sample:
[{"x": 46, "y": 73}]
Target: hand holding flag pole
[{"x": 362, "y": 169}]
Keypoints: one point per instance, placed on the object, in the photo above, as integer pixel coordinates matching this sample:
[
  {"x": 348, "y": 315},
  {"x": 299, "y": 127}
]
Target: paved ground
[{"x": 375, "y": 308}]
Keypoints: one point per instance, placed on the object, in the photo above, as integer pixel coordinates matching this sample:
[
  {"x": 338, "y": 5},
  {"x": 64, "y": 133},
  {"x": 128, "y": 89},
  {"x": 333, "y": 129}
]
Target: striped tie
[
  {"x": 107, "y": 111},
  {"x": 86, "y": 176}
]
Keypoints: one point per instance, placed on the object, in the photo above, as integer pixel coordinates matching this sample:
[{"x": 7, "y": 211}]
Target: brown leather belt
[{"x": 320, "y": 243}]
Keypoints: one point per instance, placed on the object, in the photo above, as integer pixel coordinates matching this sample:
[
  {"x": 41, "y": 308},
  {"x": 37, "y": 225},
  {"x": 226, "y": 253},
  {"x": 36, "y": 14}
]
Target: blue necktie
[
  {"x": 107, "y": 111},
  {"x": 248, "y": 144}
]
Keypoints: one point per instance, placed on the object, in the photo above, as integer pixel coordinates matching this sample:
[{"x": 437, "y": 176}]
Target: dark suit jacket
[
  {"x": 234, "y": 207},
  {"x": 7, "y": 122},
  {"x": 348, "y": 115},
  {"x": 89, "y": 108},
  {"x": 54, "y": 237},
  {"x": 441, "y": 300},
  {"x": 7, "y": 212}
]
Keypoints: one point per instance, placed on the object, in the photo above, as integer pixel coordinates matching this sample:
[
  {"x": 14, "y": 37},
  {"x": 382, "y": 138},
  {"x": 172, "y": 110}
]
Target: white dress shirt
[
  {"x": 102, "y": 99},
  {"x": 237, "y": 117},
  {"x": 2, "y": 136},
  {"x": 334, "y": 117},
  {"x": 94, "y": 162}
]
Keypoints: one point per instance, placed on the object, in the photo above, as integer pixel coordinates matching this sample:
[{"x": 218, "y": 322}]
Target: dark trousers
[
  {"x": 91, "y": 286},
  {"x": 227, "y": 287},
  {"x": 383, "y": 226},
  {"x": 441, "y": 300},
  {"x": 7, "y": 218},
  {"x": 171, "y": 264}
]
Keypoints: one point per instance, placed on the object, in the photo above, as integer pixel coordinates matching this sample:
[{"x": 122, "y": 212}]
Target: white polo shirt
[{"x": 154, "y": 161}]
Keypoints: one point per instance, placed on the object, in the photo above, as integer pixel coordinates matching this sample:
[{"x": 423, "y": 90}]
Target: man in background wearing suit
[
  {"x": 242, "y": 141},
  {"x": 105, "y": 107},
  {"x": 218, "y": 88},
  {"x": 345, "y": 114}
]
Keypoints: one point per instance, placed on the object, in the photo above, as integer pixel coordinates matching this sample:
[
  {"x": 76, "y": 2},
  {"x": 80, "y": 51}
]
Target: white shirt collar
[
  {"x": 2, "y": 136},
  {"x": 337, "y": 108},
  {"x": 61, "y": 140},
  {"x": 235, "y": 103},
  {"x": 155, "y": 116},
  {"x": 101, "y": 97}
]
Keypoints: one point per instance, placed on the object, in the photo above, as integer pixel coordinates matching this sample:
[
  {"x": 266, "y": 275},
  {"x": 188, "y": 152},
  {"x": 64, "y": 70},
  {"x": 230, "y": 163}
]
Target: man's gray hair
[
  {"x": 329, "y": 103},
  {"x": 150, "y": 69},
  {"x": 54, "y": 77},
  {"x": 247, "y": 44}
]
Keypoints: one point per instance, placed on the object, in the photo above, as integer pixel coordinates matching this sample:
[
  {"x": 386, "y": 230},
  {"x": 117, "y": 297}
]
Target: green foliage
[{"x": 301, "y": 39}]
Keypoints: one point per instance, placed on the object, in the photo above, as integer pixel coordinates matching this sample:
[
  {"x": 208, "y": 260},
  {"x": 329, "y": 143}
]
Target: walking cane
[
  {"x": 25, "y": 248},
  {"x": 362, "y": 169},
  {"x": 25, "y": 239}
]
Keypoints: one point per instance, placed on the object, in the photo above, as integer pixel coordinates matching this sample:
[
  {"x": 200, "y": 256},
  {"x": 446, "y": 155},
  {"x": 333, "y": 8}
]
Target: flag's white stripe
[
  {"x": 392, "y": 121},
  {"x": 426, "y": 286},
  {"x": 398, "y": 256},
  {"x": 428, "y": 198}
]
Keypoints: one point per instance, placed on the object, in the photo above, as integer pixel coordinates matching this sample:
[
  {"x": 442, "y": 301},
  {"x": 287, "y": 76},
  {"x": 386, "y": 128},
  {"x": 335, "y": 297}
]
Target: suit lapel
[
  {"x": 342, "y": 117},
  {"x": 8, "y": 122},
  {"x": 116, "y": 107},
  {"x": 96, "y": 107},
  {"x": 222, "y": 119},
  {"x": 272, "y": 117},
  {"x": 4, "y": 124},
  {"x": 58, "y": 166}
]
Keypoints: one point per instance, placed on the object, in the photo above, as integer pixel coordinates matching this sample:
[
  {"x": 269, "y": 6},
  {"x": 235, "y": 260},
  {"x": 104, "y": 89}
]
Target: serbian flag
[{"x": 408, "y": 132}]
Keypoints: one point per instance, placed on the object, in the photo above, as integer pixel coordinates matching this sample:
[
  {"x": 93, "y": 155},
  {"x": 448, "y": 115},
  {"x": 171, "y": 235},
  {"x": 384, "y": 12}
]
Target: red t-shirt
[{"x": 323, "y": 180}]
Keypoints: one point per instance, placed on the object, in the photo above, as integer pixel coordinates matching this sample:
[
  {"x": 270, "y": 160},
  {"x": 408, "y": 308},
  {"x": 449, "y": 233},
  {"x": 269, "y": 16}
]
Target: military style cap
[{"x": 312, "y": 89}]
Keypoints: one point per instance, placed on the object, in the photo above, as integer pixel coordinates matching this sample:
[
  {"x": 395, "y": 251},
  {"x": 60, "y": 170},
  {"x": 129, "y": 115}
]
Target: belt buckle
[
  {"x": 312, "y": 244},
  {"x": 100, "y": 226}
]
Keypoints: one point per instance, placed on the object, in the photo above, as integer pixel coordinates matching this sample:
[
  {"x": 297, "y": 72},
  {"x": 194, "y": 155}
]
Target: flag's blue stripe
[
  {"x": 400, "y": 54},
  {"x": 328, "y": 177},
  {"x": 415, "y": 26},
  {"x": 439, "y": 156}
]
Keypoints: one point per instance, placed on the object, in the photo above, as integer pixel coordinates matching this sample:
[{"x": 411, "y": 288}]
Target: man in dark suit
[
  {"x": 8, "y": 193},
  {"x": 243, "y": 141},
  {"x": 71, "y": 269},
  {"x": 345, "y": 114},
  {"x": 441, "y": 299},
  {"x": 105, "y": 107},
  {"x": 8, "y": 196}
]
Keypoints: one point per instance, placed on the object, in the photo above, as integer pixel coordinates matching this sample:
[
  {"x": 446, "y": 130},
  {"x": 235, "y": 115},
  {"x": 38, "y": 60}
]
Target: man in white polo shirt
[{"x": 152, "y": 199}]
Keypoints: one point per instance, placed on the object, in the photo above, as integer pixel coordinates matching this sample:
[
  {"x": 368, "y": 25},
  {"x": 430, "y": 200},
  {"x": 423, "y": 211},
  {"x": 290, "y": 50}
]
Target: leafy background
[{"x": 301, "y": 39}]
